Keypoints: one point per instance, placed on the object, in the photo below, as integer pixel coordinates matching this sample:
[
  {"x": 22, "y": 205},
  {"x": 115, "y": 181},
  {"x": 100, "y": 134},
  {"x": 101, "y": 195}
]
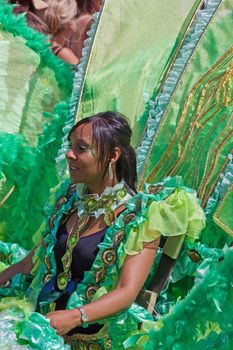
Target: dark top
[{"x": 82, "y": 260}]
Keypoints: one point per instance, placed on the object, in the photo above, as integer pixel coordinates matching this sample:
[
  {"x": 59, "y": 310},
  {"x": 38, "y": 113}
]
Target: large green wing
[
  {"x": 132, "y": 47},
  {"x": 32, "y": 82}
]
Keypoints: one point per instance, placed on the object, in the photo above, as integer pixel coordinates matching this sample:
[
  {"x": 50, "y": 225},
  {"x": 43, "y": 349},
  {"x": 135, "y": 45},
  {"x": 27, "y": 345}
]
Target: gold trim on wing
[
  {"x": 169, "y": 69},
  {"x": 214, "y": 95}
]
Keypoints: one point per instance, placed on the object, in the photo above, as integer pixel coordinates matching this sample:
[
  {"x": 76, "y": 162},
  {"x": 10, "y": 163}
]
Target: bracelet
[
  {"x": 5, "y": 284},
  {"x": 84, "y": 317}
]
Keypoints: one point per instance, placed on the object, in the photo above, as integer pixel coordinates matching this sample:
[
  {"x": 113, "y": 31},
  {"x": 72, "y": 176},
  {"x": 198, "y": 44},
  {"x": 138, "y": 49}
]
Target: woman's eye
[{"x": 82, "y": 148}]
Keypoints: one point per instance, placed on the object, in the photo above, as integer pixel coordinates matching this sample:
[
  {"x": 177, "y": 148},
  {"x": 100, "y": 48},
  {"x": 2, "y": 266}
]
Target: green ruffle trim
[
  {"x": 30, "y": 192},
  {"x": 22, "y": 329},
  {"x": 78, "y": 85},
  {"x": 194, "y": 262},
  {"x": 226, "y": 179},
  {"x": 203, "y": 320},
  {"x": 37, "y": 332},
  {"x": 11, "y": 254},
  {"x": 178, "y": 214}
]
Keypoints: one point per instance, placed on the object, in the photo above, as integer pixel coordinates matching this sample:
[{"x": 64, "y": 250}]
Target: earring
[{"x": 110, "y": 172}]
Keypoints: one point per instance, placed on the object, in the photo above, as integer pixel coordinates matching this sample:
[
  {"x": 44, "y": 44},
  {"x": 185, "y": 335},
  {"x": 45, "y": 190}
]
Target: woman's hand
[{"x": 64, "y": 320}]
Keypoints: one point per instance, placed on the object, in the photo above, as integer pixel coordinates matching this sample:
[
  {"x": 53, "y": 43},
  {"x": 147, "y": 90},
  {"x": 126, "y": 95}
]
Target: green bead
[
  {"x": 121, "y": 193},
  {"x": 63, "y": 281},
  {"x": 91, "y": 204},
  {"x": 73, "y": 239}
]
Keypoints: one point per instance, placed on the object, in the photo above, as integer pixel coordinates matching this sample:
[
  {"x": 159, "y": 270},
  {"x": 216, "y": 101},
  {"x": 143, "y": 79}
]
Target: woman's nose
[{"x": 70, "y": 154}]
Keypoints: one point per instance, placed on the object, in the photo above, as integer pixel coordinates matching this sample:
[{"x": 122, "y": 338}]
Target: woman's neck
[{"x": 99, "y": 188}]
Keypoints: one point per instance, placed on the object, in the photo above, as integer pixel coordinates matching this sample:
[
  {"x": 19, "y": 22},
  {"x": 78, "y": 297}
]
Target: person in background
[
  {"x": 59, "y": 16},
  {"x": 54, "y": 19},
  {"x": 81, "y": 24},
  {"x": 29, "y": 7}
]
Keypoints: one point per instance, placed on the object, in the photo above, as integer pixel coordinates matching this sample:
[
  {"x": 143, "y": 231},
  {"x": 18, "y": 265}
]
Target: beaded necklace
[{"x": 91, "y": 205}]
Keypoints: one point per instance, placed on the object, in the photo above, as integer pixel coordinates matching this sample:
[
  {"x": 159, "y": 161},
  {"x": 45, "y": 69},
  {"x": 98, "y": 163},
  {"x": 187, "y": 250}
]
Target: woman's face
[{"x": 82, "y": 157}]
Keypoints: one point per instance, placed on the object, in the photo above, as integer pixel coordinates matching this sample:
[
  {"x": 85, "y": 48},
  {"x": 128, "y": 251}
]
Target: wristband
[
  {"x": 84, "y": 317},
  {"x": 5, "y": 284}
]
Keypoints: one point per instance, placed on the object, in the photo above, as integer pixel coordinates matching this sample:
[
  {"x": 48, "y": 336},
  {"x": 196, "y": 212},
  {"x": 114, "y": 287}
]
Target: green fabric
[
  {"x": 203, "y": 319},
  {"x": 159, "y": 101},
  {"x": 23, "y": 329},
  {"x": 223, "y": 216},
  {"x": 38, "y": 333},
  {"x": 31, "y": 127},
  {"x": 136, "y": 314},
  {"x": 14, "y": 88},
  {"x": 129, "y": 54},
  {"x": 25, "y": 96},
  {"x": 195, "y": 132},
  {"x": 178, "y": 214},
  {"x": 135, "y": 215},
  {"x": 37, "y": 42},
  {"x": 11, "y": 254}
]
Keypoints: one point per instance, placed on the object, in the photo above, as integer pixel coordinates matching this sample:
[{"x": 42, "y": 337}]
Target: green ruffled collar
[{"x": 96, "y": 205}]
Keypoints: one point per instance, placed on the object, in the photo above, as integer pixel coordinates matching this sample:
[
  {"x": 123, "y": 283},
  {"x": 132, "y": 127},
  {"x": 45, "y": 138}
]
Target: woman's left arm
[{"x": 134, "y": 273}]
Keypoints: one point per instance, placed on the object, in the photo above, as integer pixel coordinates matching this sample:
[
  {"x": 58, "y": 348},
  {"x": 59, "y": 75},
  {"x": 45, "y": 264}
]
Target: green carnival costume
[
  {"x": 168, "y": 67},
  {"x": 172, "y": 211}
]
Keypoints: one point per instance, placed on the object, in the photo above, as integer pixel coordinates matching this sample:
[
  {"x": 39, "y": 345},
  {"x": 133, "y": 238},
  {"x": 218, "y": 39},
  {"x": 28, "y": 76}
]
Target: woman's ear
[{"x": 115, "y": 155}]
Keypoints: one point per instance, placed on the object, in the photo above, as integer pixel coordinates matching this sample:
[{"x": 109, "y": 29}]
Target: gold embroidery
[
  {"x": 118, "y": 238},
  {"x": 210, "y": 104},
  {"x": 99, "y": 274},
  {"x": 47, "y": 262},
  {"x": 109, "y": 256},
  {"x": 51, "y": 221},
  {"x": 60, "y": 202},
  {"x": 194, "y": 255},
  {"x": 71, "y": 189},
  {"x": 47, "y": 277},
  {"x": 153, "y": 189},
  {"x": 86, "y": 339},
  {"x": 90, "y": 291},
  {"x": 129, "y": 217},
  {"x": 203, "y": 186}
]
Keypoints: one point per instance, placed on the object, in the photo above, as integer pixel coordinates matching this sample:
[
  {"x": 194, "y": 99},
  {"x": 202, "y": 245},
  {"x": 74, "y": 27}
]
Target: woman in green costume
[{"x": 102, "y": 237}]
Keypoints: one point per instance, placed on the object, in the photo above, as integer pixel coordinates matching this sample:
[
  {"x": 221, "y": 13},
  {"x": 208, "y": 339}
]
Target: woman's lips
[{"x": 73, "y": 168}]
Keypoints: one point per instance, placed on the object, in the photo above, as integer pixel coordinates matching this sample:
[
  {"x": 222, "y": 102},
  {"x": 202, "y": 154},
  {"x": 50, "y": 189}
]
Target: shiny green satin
[
  {"x": 25, "y": 96},
  {"x": 194, "y": 137},
  {"x": 132, "y": 45},
  {"x": 223, "y": 216}
]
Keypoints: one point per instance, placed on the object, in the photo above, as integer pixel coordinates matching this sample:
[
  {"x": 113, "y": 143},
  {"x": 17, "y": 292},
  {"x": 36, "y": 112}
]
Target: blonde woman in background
[
  {"x": 52, "y": 18},
  {"x": 58, "y": 16}
]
